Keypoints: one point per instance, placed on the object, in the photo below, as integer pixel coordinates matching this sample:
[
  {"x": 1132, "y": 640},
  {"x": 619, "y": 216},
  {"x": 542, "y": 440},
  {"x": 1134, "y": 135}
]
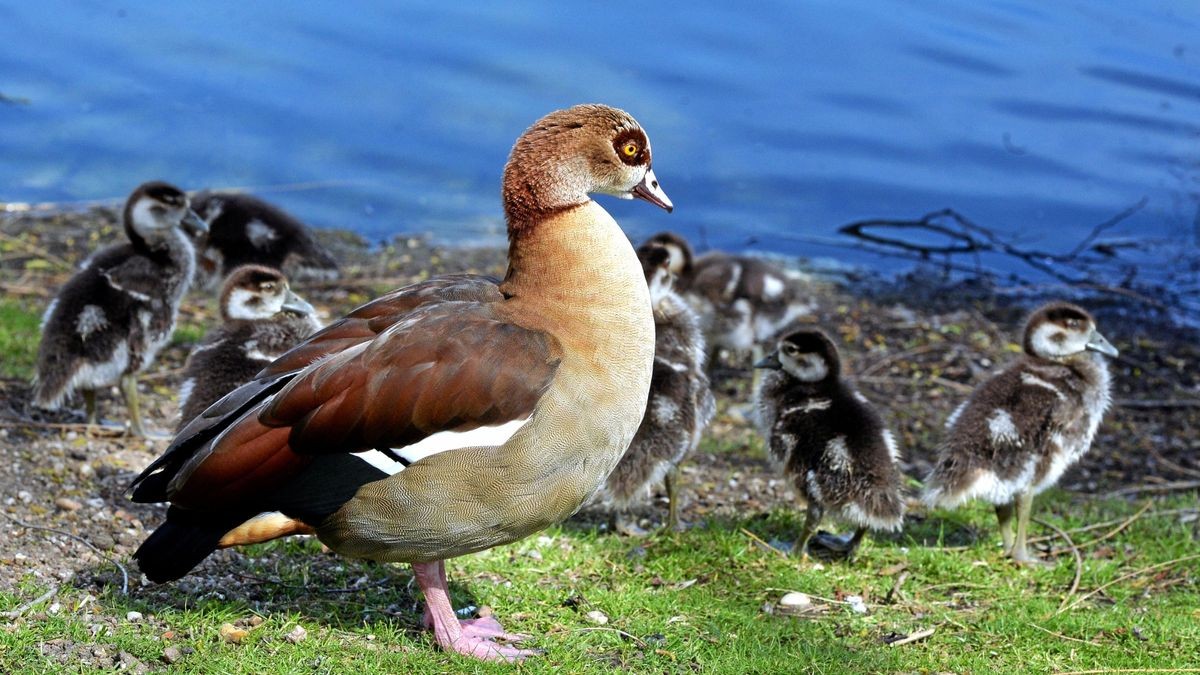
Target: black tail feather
[{"x": 182, "y": 542}]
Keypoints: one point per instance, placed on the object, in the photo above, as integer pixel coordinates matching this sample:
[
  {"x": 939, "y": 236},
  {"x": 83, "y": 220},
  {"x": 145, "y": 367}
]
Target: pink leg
[{"x": 475, "y": 637}]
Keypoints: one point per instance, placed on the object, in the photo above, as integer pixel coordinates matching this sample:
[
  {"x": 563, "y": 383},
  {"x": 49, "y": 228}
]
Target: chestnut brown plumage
[
  {"x": 1024, "y": 426},
  {"x": 370, "y": 434}
]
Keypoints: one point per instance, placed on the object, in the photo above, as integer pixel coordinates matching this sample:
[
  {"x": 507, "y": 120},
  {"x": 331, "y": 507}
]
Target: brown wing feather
[
  {"x": 443, "y": 366},
  {"x": 371, "y": 319}
]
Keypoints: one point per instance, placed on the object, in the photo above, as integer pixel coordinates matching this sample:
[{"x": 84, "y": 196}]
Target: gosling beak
[
  {"x": 1098, "y": 343},
  {"x": 297, "y": 305},
  {"x": 193, "y": 223},
  {"x": 770, "y": 361},
  {"x": 649, "y": 190}
]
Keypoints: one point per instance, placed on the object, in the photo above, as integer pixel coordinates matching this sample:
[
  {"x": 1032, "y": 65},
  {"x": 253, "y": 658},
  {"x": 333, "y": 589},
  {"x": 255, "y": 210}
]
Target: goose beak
[
  {"x": 193, "y": 223},
  {"x": 297, "y": 305},
  {"x": 770, "y": 362},
  {"x": 1098, "y": 343},
  {"x": 649, "y": 190}
]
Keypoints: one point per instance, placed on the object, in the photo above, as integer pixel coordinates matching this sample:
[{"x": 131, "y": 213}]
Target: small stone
[
  {"x": 597, "y": 617},
  {"x": 795, "y": 599},
  {"x": 856, "y": 604},
  {"x": 172, "y": 655},
  {"x": 231, "y": 633},
  {"x": 535, "y": 554},
  {"x": 133, "y": 616},
  {"x": 25, "y": 496},
  {"x": 297, "y": 635},
  {"x": 67, "y": 504},
  {"x": 256, "y": 620}
]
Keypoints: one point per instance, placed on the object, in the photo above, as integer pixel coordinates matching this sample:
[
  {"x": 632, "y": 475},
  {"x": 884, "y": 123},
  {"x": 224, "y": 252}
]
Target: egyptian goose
[
  {"x": 681, "y": 402},
  {"x": 449, "y": 416},
  {"x": 743, "y": 301},
  {"x": 110, "y": 320},
  {"x": 1024, "y": 426},
  {"x": 246, "y": 230},
  {"x": 262, "y": 318},
  {"x": 830, "y": 440}
]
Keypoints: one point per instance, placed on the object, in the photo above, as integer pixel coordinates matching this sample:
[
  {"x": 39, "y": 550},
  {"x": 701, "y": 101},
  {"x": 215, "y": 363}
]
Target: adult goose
[{"x": 449, "y": 416}]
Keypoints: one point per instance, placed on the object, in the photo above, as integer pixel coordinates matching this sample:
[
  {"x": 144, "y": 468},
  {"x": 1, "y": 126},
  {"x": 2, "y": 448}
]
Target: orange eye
[{"x": 630, "y": 149}]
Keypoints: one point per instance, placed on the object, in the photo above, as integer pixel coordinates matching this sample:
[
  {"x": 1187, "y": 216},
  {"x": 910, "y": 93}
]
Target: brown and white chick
[
  {"x": 1024, "y": 426},
  {"x": 109, "y": 321},
  {"x": 680, "y": 406},
  {"x": 743, "y": 301},
  {"x": 262, "y": 318},
  {"x": 830, "y": 440}
]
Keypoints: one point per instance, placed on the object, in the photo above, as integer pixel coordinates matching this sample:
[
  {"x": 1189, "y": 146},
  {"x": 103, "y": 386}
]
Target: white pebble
[
  {"x": 133, "y": 616},
  {"x": 597, "y": 617},
  {"x": 856, "y": 604},
  {"x": 795, "y": 599}
]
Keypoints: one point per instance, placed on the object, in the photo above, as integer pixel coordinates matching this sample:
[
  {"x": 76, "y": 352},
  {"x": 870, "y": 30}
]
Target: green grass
[
  {"x": 687, "y": 602},
  {"x": 19, "y": 335}
]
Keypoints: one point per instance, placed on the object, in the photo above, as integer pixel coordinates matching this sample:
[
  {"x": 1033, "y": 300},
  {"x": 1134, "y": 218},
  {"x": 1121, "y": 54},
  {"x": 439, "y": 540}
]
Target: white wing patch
[
  {"x": 735, "y": 275},
  {"x": 811, "y": 405},
  {"x": 838, "y": 454},
  {"x": 1001, "y": 426},
  {"x": 185, "y": 391},
  {"x": 890, "y": 442},
  {"x": 90, "y": 320},
  {"x": 260, "y": 234},
  {"x": 1035, "y": 381},
  {"x": 956, "y": 414},
  {"x": 772, "y": 287},
  {"x": 664, "y": 410},
  {"x": 441, "y": 442},
  {"x": 142, "y": 297},
  {"x": 46, "y": 315}
]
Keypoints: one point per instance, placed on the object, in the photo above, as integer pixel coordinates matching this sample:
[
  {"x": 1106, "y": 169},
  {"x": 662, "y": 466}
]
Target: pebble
[
  {"x": 856, "y": 604},
  {"x": 297, "y": 635},
  {"x": 231, "y": 633},
  {"x": 133, "y": 616},
  {"x": 67, "y": 504},
  {"x": 597, "y": 617},
  {"x": 795, "y": 599},
  {"x": 25, "y": 496},
  {"x": 172, "y": 655}
]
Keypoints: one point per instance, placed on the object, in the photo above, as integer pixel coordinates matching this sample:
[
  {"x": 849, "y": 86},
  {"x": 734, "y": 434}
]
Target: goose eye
[{"x": 629, "y": 149}]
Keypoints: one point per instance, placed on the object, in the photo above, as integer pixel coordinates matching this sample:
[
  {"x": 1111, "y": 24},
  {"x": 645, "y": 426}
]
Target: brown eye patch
[{"x": 631, "y": 147}]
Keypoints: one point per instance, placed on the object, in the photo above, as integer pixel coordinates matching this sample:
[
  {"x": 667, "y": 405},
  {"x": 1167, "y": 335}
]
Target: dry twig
[
  {"x": 758, "y": 540},
  {"x": 1125, "y": 577},
  {"x": 1078, "y": 560}
]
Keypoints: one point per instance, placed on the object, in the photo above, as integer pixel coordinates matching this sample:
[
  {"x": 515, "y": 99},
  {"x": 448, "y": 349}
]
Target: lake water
[{"x": 772, "y": 122}]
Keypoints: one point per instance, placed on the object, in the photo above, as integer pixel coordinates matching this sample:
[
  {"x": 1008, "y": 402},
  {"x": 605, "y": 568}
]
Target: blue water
[{"x": 772, "y": 123}]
